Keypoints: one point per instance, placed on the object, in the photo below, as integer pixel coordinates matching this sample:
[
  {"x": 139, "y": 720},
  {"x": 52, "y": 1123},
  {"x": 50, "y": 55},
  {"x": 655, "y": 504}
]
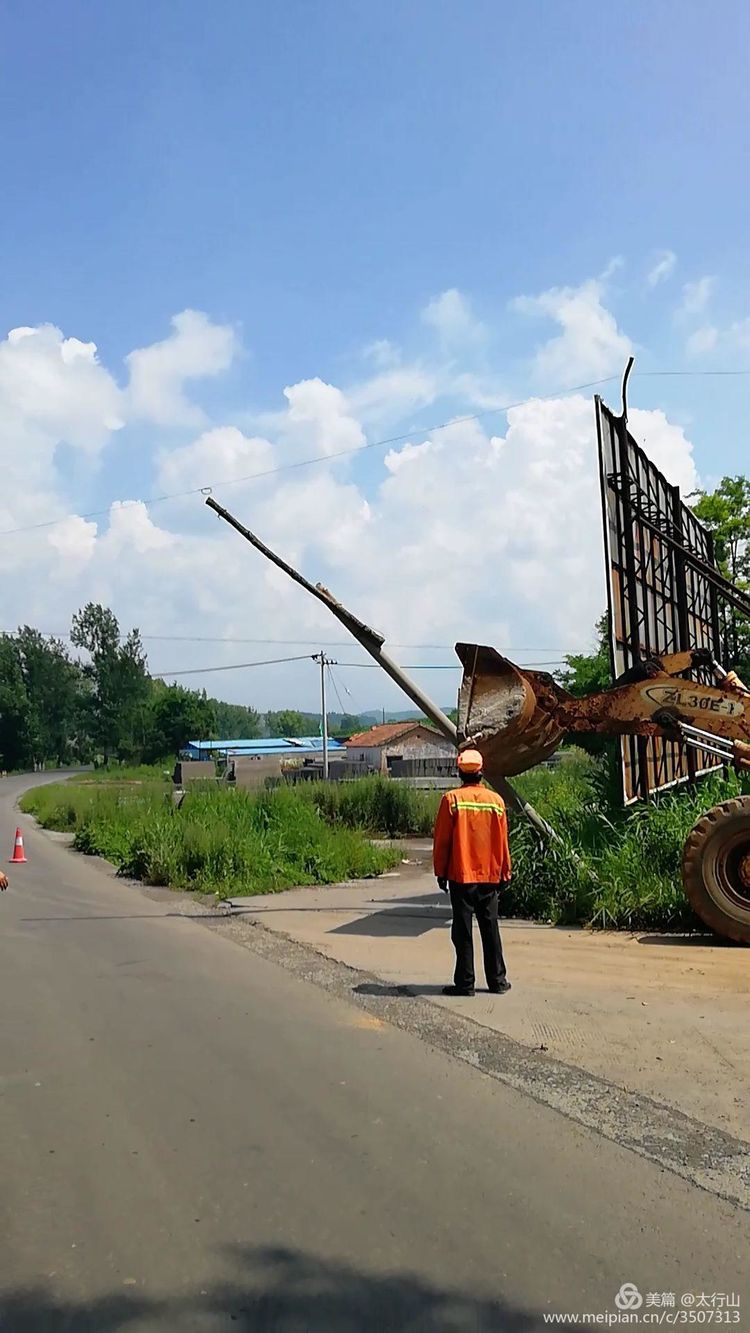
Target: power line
[
  {"x": 450, "y": 666},
  {"x": 274, "y": 661},
  {"x": 687, "y": 374},
  {"x": 307, "y": 462},
  {"x": 332, "y": 679},
  {"x": 309, "y": 657},
  {"x": 359, "y": 449},
  {"x": 235, "y": 666},
  {"x": 330, "y": 643}
]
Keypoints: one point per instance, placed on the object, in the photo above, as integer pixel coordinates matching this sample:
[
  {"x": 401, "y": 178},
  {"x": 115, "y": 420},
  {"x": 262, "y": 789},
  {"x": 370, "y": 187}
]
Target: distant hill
[
  {"x": 235, "y": 720},
  {"x": 374, "y": 717}
]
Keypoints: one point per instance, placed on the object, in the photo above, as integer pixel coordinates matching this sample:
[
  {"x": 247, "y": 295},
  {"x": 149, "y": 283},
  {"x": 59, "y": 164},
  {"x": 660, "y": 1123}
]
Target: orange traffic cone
[{"x": 19, "y": 856}]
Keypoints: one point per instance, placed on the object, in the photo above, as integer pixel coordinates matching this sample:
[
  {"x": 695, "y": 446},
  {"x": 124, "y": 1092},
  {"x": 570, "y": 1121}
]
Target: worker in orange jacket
[{"x": 471, "y": 857}]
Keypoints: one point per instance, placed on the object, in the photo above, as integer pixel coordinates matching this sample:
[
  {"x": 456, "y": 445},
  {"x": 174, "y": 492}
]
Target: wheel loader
[{"x": 518, "y": 718}]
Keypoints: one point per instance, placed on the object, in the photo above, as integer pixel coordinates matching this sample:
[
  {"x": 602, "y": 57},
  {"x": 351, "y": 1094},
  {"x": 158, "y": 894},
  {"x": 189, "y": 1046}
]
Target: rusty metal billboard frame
[{"x": 663, "y": 590}]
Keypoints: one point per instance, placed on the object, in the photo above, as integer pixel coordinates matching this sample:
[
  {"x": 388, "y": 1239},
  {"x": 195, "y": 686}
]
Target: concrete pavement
[
  {"x": 660, "y": 1015},
  {"x": 192, "y": 1138}
]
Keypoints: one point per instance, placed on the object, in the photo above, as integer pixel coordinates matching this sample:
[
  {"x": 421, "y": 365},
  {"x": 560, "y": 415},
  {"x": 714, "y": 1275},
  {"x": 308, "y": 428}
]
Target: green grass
[
  {"x": 614, "y": 868},
  {"x": 127, "y": 773},
  {"x": 375, "y": 805},
  {"x": 223, "y": 842}
]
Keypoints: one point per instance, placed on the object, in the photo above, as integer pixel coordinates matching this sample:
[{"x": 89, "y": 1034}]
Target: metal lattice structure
[{"x": 662, "y": 596}]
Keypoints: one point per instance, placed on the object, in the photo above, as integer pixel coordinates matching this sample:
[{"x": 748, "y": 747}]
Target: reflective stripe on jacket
[{"x": 470, "y": 845}]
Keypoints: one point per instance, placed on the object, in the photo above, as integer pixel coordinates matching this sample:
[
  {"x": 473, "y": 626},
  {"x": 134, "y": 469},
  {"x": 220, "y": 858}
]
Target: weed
[
  {"x": 219, "y": 841},
  {"x": 612, "y": 867}
]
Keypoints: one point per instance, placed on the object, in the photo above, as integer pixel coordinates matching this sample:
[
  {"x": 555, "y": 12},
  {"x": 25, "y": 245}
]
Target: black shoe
[
  {"x": 455, "y": 990},
  {"x": 502, "y": 989}
]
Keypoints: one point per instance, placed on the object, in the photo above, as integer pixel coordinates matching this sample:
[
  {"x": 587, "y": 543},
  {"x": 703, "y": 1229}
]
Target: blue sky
[{"x": 315, "y": 177}]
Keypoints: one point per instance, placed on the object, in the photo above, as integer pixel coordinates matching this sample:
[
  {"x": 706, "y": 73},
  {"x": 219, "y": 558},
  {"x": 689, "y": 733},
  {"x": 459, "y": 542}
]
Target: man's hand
[
  {"x": 442, "y": 883},
  {"x": 3, "y": 880}
]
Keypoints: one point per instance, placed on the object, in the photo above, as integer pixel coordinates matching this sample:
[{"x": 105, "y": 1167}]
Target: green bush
[
  {"x": 219, "y": 841},
  {"x": 114, "y": 772},
  {"x": 375, "y": 804},
  {"x": 612, "y": 868}
]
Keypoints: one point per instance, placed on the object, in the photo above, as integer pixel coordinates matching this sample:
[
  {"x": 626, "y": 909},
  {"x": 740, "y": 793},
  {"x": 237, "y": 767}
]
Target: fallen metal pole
[{"x": 373, "y": 643}]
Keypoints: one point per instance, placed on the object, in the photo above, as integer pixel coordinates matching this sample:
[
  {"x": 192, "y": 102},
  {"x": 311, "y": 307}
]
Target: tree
[
  {"x": 234, "y": 721},
  {"x": 53, "y": 707},
  {"x": 15, "y": 709},
  {"x": 287, "y": 722},
  {"x": 175, "y": 716},
  {"x": 52, "y": 684},
  {"x": 348, "y": 725},
  {"x": 726, "y": 513},
  {"x": 584, "y": 673},
  {"x": 587, "y": 673},
  {"x": 120, "y": 685}
]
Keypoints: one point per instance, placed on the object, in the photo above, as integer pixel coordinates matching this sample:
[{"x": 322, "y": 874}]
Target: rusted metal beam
[{"x": 736, "y": 597}]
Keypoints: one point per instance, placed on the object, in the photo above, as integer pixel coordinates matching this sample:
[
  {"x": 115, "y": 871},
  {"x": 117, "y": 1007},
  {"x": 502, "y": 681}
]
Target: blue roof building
[{"x": 270, "y": 745}]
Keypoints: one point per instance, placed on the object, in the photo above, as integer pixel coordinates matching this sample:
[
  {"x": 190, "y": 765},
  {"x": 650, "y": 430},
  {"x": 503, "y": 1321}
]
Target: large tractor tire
[{"x": 716, "y": 869}]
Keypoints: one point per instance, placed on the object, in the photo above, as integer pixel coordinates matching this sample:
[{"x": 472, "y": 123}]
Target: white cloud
[
  {"x": 695, "y": 297},
  {"x": 396, "y": 459},
  {"x": 739, "y": 334},
  {"x": 451, "y": 316},
  {"x": 613, "y": 266},
  {"x": 662, "y": 268},
  {"x": 590, "y": 346},
  {"x": 500, "y": 537},
  {"x": 132, "y": 532},
  {"x": 472, "y": 529},
  {"x": 383, "y": 353},
  {"x": 667, "y": 445},
  {"x": 702, "y": 340},
  {"x": 342, "y": 517},
  {"x": 196, "y": 349},
  {"x": 393, "y": 393},
  {"x": 56, "y": 386},
  {"x": 74, "y": 540},
  {"x": 484, "y": 393},
  {"x": 56, "y": 403},
  {"x": 223, "y": 454},
  {"x": 457, "y": 533},
  {"x": 319, "y": 418}
]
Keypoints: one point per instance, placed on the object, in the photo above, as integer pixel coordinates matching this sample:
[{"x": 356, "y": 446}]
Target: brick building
[{"x": 397, "y": 740}]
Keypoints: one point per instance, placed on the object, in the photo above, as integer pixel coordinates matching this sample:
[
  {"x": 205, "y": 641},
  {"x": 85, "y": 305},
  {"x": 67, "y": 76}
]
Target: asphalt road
[{"x": 194, "y": 1139}]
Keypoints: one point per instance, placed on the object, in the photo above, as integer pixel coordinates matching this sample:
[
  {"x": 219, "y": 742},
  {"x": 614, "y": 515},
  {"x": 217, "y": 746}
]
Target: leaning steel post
[{"x": 374, "y": 644}]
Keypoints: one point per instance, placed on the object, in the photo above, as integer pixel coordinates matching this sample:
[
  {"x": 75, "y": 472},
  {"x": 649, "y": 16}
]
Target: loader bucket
[{"x": 499, "y": 712}]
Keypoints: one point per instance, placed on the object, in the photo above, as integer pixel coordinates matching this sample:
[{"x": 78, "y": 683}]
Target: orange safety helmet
[{"x": 470, "y": 761}]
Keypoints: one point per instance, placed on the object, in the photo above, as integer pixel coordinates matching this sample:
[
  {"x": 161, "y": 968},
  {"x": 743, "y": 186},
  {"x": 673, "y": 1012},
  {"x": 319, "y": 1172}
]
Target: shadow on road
[
  {"x": 407, "y": 990},
  {"x": 396, "y": 922},
  {"x": 425, "y": 900},
  {"x": 275, "y": 1290}
]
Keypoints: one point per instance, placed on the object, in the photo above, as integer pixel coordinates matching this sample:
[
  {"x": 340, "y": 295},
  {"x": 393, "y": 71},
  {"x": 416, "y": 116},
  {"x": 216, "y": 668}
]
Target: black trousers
[{"x": 468, "y": 901}]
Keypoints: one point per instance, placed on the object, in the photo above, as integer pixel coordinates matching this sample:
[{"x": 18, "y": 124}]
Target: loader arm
[{"x": 518, "y": 718}]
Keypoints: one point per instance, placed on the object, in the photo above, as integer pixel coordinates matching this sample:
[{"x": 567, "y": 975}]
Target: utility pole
[{"x": 324, "y": 662}]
